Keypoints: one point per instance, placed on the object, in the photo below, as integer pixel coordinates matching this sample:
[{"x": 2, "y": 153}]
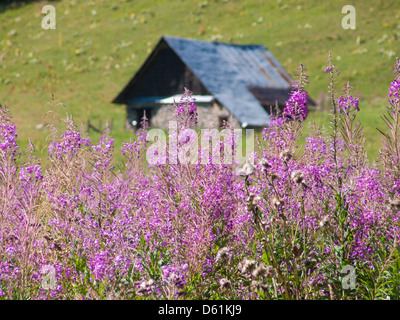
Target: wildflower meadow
[{"x": 315, "y": 221}]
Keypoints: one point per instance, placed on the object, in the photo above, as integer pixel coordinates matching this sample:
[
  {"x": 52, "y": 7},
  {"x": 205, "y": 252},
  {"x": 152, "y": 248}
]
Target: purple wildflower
[
  {"x": 394, "y": 90},
  {"x": 348, "y": 104},
  {"x": 296, "y": 106}
]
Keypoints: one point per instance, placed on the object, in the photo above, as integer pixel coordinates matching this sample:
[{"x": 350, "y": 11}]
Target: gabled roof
[{"x": 227, "y": 71}]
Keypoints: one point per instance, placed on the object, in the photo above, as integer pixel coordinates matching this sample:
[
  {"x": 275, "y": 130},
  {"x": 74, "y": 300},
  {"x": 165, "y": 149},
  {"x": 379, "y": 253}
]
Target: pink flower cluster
[
  {"x": 348, "y": 104},
  {"x": 296, "y": 106}
]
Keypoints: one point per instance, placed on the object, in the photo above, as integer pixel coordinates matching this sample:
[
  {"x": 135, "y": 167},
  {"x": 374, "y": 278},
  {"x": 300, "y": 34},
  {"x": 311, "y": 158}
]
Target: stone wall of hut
[{"x": 210, "y": 115}]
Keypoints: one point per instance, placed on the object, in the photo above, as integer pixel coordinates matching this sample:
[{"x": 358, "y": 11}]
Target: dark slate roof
[{"x": 228, "y": 70}]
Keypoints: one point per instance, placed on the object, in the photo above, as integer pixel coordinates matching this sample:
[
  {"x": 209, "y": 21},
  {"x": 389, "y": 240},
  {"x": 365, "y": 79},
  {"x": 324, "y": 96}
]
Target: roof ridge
[{"x": 214, "y": 42}]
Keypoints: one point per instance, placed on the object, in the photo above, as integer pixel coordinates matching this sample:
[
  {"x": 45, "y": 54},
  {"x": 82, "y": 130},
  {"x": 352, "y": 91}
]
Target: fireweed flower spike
[
  {"x": 8, "y": 133},
  {"x": 394, "y": 91},
  {"x": 297, "y": 106},
  {"x": 347, "y": 103}
]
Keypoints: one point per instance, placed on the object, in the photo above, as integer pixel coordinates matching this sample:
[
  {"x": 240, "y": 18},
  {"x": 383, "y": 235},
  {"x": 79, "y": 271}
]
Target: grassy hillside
[{"x": 98, "y": 46}]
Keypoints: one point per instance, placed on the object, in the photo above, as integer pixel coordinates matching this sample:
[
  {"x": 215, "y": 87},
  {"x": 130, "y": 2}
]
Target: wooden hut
[{"x": 236, "y": 83}]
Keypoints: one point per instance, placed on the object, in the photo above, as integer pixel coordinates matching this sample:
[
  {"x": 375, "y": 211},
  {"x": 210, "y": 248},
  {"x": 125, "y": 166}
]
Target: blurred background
[{"x": 98, "y": 46}]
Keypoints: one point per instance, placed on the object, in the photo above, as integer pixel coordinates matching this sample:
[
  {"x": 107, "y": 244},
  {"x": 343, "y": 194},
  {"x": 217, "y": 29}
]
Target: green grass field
[{"x": 99, "y": 45}]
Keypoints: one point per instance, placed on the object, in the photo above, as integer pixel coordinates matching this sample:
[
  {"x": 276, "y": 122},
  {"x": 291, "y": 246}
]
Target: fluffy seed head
[
  {"x": 258, "y": 286},
  {"x": 286, "y": 155},
  {"x": 270, "y": 272},
  {"x": 273, "y": 176},
  {"x": 246, "y": 170},
  {"x": 324, "y": 221},
  {"x": 395, "y": 203},
  {"x": 297, "y": 176},
  {"x": 222, "y": 254},
  {"x": 145, "y": 287},
  {"x": 277, "y": 202},
  {"x": 265, "y": 165},
  {"x": 261, "y": 271},
  {"x": 225, "y": 283},
  {"x": 296, "y": 251},
  {"x": 246, "y": 265},
  {"x": 251, "y": 197}
]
